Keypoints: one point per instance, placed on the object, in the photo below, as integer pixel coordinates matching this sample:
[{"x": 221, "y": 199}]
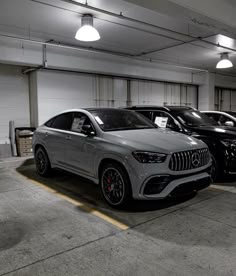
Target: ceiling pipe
[
  {"x": 116, "y": 23},
  {"x": 100, "y": 51},
  {"x": 182, "y": 42},
  {"x": 169, "y": 47},
  {"x": 121, "y": 16}
]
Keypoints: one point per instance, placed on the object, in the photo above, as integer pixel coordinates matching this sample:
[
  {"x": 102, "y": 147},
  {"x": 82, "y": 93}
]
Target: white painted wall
[
  {"x": 225, "y": 92},
  {"x": 14, "y": 100},
  {"x": 27, "y": 53},
  {"x": 60, "y": 91},
  {"x": 225, "y": 99},
  {"x": 148, "y": 92},
  {"x": 222, "y": 80},
  {"x": 52, "y": 92}
]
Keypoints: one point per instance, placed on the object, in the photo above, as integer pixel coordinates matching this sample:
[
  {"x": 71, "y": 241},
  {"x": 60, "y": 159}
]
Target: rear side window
[
  {"x": 49, "y": 123},
  {"x": 62, "y": 121}
]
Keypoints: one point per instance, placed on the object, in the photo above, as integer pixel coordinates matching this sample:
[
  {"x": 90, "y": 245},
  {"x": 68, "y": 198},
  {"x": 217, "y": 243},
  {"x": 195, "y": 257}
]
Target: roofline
[
  {"x": 147, "y": 106},
  {"x": 85, "y": 109},
  {"x": 165, "y": 107}
]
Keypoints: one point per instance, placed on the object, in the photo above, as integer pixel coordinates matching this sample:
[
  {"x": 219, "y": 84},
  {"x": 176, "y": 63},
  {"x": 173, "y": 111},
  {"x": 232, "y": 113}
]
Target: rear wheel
[
  {"x": 42, "y": 162},
  {"x": 115, "y": 185}
]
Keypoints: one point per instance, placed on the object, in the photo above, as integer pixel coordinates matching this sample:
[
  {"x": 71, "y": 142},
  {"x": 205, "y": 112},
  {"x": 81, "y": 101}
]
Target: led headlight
[
  {"x": 228, "y": 142},
  {"x": 149, "y": 157}
]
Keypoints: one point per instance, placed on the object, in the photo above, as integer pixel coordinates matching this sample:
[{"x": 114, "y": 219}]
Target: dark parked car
[
  {"x": 223, "y": 118},
  {"x": 220, "y": 140}
]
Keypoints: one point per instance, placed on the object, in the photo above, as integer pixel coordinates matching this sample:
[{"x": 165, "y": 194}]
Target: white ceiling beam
[{"x": 215, "y": 15}]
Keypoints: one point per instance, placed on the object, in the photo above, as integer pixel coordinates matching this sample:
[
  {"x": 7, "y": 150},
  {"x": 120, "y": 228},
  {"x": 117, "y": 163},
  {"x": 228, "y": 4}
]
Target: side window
[
  {"x": 62, "y": 121},
  {"x": 147, "y": 114},
  {"x": 50, "y": 122},
  {"x": 163, "y": 119},
  {"x": 79, "y": 121},
  {"x": 223, "y": 119},
  {"x": 213, "y": 116}
]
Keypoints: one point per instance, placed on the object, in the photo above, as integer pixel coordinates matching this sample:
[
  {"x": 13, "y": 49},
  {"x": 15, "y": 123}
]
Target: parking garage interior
[{"x": 150, "y": 53}]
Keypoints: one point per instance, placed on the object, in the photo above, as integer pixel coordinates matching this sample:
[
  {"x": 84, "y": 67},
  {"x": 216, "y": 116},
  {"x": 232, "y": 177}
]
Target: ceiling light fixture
[
  {"x": 87, "y": 32},
  {"x": 224, "y": 61}
]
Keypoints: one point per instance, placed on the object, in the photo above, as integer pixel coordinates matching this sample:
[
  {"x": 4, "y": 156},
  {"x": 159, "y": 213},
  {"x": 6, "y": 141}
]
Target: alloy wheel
[
  {"x": 41, "y": 161},
  {"x": 113, "y": 186}
]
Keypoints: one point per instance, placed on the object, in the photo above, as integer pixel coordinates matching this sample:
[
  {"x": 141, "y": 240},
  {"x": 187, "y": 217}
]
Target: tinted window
[
  {"x": 213, "y": 116},
  {"x": 50, "y": 122},
  {"x": 62, "y": 121},
  {"x": 147, "y": 114},
  {"x": 193, "y": 118},
  {"x": 163, "y": 119},
  {"x": 79, "y": 121},
  {"x": 222, "y": 119},
  {"x": 120, "y": 119}
]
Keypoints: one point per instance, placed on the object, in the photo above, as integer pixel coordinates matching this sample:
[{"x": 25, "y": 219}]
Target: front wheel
[
  {"x": 42, "y": 162},
  {"x": 214, "y": 169},
  {"x": 115, "y": 185}
]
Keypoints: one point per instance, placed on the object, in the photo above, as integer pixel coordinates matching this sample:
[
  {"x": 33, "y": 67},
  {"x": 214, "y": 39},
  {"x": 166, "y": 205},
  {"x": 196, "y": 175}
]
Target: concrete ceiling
[{"x": 168, "y": 31}]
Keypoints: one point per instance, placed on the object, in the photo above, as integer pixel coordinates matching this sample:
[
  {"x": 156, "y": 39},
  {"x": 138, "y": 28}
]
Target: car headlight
[
  {"x": 149, "y": 157},
  {"x": 228, "y": 142}
]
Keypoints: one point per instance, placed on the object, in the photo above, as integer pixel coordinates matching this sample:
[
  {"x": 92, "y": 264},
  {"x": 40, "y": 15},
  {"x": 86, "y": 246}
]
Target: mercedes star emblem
[{"x": 195, "y": 159}]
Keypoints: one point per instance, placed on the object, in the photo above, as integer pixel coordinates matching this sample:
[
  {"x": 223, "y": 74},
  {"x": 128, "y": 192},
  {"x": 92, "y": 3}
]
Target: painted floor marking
[
  {"x": 229, "y": 189},
  {"x": 83, "y": 206}
]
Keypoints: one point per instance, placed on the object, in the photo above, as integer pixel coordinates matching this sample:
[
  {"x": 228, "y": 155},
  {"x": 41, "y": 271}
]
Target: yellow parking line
[{"x": 84, "y": 207}]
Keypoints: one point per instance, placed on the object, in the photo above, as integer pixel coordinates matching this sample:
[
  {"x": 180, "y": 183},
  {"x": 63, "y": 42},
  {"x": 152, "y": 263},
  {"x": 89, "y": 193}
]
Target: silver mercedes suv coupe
[{"x": 123, "y": 152}]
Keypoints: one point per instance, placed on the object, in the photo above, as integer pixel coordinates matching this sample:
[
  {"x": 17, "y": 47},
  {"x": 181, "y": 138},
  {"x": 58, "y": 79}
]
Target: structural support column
[
  {"x": 33, "y": 94},
  {"x": 206, "y": 94}
]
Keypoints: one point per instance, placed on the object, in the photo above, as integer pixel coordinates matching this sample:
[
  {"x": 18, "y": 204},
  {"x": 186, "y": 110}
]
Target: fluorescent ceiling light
[
  {"x": 87, "y": 32},
  {"x": 224, "y": 62},
  {"x": 225, "y": 41}
]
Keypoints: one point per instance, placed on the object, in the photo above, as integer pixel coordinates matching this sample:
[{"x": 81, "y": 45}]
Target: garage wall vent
[{"x": 87, "y": 32}]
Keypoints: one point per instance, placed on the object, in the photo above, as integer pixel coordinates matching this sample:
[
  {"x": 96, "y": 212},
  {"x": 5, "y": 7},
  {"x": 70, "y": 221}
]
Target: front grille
[{"x": 188, "y": 160}]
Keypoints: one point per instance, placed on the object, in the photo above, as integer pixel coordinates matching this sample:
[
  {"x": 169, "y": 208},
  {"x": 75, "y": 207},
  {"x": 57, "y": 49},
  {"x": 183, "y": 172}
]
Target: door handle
[
  {"x": 68, "y": 137},
  {"x": 46, "y": 134}
]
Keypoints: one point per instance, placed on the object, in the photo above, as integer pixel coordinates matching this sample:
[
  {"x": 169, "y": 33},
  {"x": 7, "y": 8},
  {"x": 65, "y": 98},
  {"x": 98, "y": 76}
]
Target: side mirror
[
  {"x": 229, "y": 123},
  {"x": 88, "y": 130}
]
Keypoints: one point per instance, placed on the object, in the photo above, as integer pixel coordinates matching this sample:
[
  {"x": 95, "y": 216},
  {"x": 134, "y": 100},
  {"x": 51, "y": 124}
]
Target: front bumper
[
  {"x": 183, "y": 185},
  {"x": 170, "y": 184}
]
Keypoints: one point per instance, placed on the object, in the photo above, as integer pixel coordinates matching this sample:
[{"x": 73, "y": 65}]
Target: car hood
[
  {"x": 159, "y": 140},
  {"x": 216, "y": 131}
]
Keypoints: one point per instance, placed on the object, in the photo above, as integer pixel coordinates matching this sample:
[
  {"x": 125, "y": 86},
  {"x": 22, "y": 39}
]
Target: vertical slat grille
[{"x": 188, "y": 160}]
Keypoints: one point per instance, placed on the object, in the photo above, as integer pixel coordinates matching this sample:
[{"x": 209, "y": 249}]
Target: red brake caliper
[{"x": 109, "y": 182}]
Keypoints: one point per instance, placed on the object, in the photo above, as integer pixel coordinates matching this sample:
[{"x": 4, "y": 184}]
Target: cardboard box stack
[{"x": 24, "y": 142}]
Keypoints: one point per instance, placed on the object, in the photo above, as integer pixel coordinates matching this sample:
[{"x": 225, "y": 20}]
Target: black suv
[{"x": 220, "y": 140}]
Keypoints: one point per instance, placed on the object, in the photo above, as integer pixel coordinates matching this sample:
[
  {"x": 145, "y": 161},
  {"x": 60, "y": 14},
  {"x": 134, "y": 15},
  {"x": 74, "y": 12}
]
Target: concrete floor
[{"x": 61, "y": 226}]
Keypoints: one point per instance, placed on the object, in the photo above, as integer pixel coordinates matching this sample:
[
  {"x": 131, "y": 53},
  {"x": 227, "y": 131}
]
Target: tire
[
  {"x": 42, "y": 162},
  {"x": 214, "y": 169},
  {"x": 115, "y": 185}
]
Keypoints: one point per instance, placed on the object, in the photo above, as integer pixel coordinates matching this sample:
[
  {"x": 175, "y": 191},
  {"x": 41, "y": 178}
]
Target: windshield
[
  {"x": 194, "y": 118},
  {"x": 119, "y": 119}
]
